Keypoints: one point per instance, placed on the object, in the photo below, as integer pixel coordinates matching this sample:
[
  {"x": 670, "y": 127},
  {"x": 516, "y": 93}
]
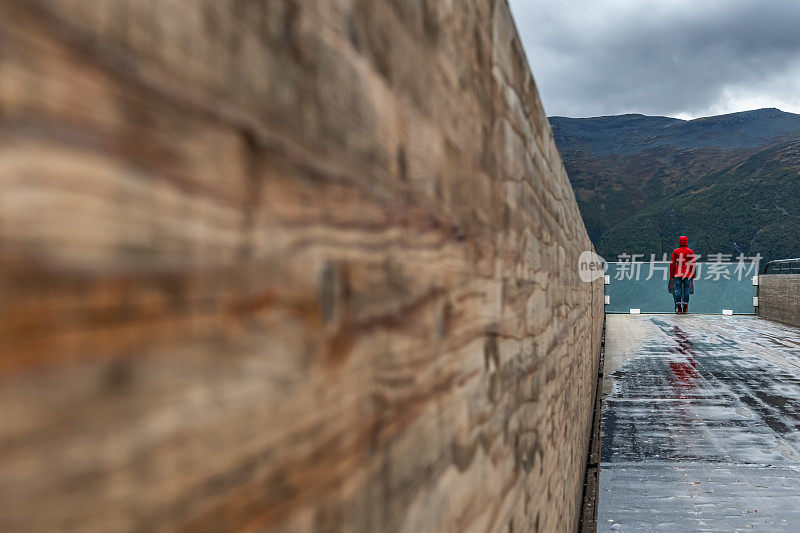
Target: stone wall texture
[
  {"x": 295, "y": 265},
  {"x": 779, "y": 298}
]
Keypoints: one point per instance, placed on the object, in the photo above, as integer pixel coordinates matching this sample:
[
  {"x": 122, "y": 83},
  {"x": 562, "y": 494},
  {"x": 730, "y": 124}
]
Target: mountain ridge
[
  {"x": 631, "y": 171},
  {"x": 637, "y": 132}
]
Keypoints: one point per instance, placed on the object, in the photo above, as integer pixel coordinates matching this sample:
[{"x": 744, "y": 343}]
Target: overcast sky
[{"x": 679, "y": 58}]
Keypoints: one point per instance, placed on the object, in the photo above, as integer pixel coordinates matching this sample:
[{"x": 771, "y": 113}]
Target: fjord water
[{"x": 643, "y": 286}]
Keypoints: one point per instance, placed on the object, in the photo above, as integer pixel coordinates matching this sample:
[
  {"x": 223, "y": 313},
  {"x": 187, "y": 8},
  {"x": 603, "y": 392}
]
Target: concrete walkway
[{"x": 700, "y": 425}]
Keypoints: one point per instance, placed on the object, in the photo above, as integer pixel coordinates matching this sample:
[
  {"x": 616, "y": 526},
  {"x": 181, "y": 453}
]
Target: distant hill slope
[
  {"x": 751, "y": 207},
  {"x": 629, "y": 134},
  {"x": 642, "y": 180}
]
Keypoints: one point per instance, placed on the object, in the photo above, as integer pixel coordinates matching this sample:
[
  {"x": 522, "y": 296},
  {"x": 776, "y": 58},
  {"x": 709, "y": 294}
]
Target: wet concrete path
[{"x": 701, "y": 420}]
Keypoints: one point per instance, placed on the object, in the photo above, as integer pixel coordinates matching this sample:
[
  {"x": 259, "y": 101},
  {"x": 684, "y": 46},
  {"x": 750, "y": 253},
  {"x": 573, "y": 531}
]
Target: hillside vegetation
[{"x": 731, "y": 183}]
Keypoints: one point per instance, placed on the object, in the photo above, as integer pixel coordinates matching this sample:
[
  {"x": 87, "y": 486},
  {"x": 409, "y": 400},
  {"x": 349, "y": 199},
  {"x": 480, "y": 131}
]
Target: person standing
[{"x": 682, "y": 269}]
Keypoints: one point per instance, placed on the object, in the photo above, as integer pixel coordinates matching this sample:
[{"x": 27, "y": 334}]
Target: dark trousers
[{"x": 681, "y": 293}]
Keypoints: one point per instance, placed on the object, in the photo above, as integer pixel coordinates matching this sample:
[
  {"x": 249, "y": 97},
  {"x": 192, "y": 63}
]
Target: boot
[
  {"x": 686, "y": 309},
  {"x": 678, "y": 309}
]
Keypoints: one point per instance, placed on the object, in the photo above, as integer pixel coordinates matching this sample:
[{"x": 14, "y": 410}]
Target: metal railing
[{"x": 783, "y": 266}]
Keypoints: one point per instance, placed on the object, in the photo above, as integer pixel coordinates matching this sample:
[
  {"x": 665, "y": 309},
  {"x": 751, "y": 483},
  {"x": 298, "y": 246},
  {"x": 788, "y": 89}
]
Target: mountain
[
  {"x": 726, "y": 181},
  {"x": 629, "y": 134},
  {"x": 751, "y": 207}
]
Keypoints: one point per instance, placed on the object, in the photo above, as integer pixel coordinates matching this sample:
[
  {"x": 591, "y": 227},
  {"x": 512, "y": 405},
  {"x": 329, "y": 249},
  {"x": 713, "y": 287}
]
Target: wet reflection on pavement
[{"x": 700, "y": 424}]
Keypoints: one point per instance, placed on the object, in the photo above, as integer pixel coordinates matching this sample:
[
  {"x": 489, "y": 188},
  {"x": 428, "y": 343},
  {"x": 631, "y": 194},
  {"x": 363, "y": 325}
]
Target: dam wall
[
  {"x": 287, "y": 265},
  {"x": 779, "y": 298}
]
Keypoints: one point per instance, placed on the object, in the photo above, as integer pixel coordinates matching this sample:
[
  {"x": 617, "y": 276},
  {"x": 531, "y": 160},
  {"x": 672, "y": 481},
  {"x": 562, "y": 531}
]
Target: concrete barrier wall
[
  {"x": 779, "y": 298},
  {"x": 290, "y": 265}
]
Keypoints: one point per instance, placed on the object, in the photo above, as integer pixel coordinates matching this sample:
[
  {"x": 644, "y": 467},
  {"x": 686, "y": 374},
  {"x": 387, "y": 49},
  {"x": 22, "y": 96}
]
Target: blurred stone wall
[
  {"x": 286, "y": 265},
  {"x": 779, "y": 298}
]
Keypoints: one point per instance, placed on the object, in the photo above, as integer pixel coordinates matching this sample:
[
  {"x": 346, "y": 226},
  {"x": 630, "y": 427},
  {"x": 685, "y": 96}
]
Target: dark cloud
[{"x": 676, "y": 58}]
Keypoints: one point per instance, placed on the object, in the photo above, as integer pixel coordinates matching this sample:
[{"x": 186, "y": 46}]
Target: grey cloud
[{"x": 662, "y": 57}]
